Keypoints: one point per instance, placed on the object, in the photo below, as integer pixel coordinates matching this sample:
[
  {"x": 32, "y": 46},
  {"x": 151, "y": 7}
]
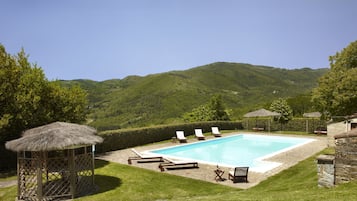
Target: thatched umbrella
[
  {"x": 262, "y": 113},
  {"x": 310, "y": 115},
  {"x": 62, "y": 153},
  {"x": 54, "y": 136}
]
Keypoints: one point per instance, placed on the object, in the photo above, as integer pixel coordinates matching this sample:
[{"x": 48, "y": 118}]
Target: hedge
[
  {"x": 296, "y": 124},
  {"x": 125, "y": 138}
]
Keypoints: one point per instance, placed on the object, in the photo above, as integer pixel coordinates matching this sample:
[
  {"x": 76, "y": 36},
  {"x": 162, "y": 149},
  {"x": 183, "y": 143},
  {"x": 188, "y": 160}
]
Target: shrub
[{"x": 296, "y": 124}]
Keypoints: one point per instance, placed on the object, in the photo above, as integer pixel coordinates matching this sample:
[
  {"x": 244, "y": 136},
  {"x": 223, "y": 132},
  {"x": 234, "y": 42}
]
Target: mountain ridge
[{"x": 161, "y": 98}]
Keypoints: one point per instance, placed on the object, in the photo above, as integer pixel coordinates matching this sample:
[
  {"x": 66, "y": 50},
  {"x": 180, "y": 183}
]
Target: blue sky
[{"x": 106, "y": 39}]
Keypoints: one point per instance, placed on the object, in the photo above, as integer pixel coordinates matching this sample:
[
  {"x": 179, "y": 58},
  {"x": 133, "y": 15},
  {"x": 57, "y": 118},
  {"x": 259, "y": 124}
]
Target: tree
[
  {"x": 201, "y": 113},
  {"x": 214, "y": 110},
  {"x": 218, "y": 109},
  {"x": 28, "y": 99},
  {"x": 336, "y": 93},
  {"x": 300, "y": 104},
  {"x": 66, "y": 104},
  {"x": 281, "y": 106}
]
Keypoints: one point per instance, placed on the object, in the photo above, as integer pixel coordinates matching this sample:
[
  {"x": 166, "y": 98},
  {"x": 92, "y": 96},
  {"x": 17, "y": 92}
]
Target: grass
[
  {"x": 9, "y": 178},
  {"x": 123, "y": 182}
]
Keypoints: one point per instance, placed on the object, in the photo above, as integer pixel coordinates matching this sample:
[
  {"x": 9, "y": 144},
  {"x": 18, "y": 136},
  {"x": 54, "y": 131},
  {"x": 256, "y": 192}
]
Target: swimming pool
[{"x": 236, "y": 150}]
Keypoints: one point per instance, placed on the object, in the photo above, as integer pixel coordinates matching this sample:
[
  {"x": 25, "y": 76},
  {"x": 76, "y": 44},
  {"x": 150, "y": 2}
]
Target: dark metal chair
[{"x": 239, "y": 174}]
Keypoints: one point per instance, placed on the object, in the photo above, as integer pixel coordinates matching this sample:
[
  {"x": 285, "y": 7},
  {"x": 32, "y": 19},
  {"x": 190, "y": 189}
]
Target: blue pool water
[{"x": 237, "y": 150}]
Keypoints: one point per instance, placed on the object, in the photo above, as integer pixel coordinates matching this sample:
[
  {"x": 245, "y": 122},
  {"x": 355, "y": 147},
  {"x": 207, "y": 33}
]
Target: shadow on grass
[
  {"x": 106, "y": 183},
  {"x": 100, "y": 163},
  {"x": 9, "y": 173}
]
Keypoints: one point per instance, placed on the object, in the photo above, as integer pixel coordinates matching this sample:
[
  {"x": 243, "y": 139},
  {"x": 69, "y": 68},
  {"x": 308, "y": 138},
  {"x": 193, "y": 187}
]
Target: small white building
[{"x": 337, "y": 128}]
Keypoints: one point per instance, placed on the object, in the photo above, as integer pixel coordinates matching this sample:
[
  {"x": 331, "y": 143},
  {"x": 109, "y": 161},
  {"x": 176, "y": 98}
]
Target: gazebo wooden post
[
  {"x": 307, "y": 125},
  {"x": 19, "y": 176},
  {"x": 45, "y": 157},
  {"x": 72, "y": 172},
  {"x": 39, "y": 175},
  {"x": 93, "y": 150}
]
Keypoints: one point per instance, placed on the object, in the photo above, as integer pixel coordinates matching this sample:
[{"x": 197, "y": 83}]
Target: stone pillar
[{"x": 326, "y": 170}]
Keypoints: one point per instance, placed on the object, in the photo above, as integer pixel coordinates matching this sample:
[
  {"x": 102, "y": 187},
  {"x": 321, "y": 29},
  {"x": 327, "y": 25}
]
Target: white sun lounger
[
  {"x": 215, "y": 132},
  {"x": 199, "y": 135},
  {"x": 177, "y": 164},
  {"x": 145, "y": 157},
  {"x": 181, "y": 136}
]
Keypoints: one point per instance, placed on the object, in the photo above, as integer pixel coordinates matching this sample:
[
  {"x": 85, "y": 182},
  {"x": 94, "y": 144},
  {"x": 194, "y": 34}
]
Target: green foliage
[
  {"x": 200, "y": 113},
  {"x": 212, "y": 111},
  {"x": 28, "y": 99},
  {"x": 164, "y": 98},
  {"x": 281, "y": 106},
  {"x": 346, "y": 59},
  {"x": 65, "y": 104},
  {"x": 301, "y": 104},
  {"x": 218, "y": 109},
  {"x": 336, "y": 93}
]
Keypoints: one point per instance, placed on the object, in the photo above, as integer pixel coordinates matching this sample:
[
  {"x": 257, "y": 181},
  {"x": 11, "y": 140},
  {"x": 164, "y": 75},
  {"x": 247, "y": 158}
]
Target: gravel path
[{"x": 4, "y": 184}]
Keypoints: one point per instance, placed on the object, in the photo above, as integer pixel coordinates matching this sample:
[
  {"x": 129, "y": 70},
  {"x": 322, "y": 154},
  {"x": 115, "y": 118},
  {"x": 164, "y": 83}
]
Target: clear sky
[{"x": 105, "y": 39}]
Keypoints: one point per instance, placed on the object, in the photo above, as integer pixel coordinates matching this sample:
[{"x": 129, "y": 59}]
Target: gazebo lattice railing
[{"x": 54, "y": 174}]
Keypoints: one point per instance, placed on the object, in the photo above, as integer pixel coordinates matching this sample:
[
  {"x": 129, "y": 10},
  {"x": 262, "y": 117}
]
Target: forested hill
[{"x": 163, "y": 98}]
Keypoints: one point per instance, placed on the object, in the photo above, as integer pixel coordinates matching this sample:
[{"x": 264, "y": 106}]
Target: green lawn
[{"x": 123, "y": 182}]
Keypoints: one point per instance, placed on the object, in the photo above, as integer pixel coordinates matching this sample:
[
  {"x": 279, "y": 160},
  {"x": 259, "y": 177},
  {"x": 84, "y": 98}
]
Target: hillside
[{"x": 163, "y": 98}]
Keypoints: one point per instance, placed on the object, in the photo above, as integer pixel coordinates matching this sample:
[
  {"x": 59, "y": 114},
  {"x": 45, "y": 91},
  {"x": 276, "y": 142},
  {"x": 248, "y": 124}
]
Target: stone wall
[
  {"x": 326, "y": 170},
  {"x": 346, "y": 157}
]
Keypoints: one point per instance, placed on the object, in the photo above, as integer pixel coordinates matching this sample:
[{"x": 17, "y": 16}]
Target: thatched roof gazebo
[
  {"x": 262, "y": 113},
  {"x": 55, "y": 161}
]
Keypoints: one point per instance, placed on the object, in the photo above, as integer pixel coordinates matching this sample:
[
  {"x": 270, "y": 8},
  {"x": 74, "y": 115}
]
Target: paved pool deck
[{"x": 206, "y": 172}]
